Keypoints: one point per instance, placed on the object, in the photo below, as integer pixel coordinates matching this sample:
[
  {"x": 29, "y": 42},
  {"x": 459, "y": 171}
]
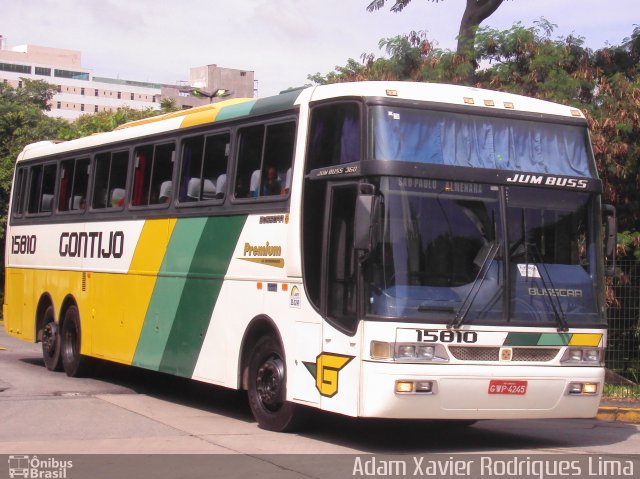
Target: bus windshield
[
  {"x": 447, "y": 251},
  {"x": 447, "y": 138}
]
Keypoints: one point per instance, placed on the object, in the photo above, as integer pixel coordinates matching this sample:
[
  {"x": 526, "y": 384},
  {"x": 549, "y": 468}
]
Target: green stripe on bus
[
  {"x": 235, "y": 111},
  {"x": 167, "y": 292},
  {"x": 206, "y": 275},
  {"x": 283, "y": 101},
  {"x": 554, "y": 339},
  {"x": 522, "y": 339},
  {"x": 537, "y": 339}
]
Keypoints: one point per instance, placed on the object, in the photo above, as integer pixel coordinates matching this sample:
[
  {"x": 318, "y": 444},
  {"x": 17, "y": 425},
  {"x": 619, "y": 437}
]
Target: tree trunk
[{"x": 475, "y": 12}]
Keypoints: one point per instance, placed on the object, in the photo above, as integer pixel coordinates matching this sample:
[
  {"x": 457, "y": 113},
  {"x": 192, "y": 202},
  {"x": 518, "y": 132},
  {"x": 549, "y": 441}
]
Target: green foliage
[
  {"x": 103, "y": 121},
  {"x": 605, "y": 84},
  {"x": 629, "y": 244},
  {"x": 22, "y": 121}
]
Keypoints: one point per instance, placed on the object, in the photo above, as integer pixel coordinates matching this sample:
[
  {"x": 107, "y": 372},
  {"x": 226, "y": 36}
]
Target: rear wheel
[
  {"x": 51, "y": 341},
  {"x": 74, "y": 364},
  {"x": 267, "y": 388}
]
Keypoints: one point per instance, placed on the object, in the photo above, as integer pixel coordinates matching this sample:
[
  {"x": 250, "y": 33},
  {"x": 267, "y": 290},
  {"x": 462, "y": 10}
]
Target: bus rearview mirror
[{"x": 366, "y": 215}]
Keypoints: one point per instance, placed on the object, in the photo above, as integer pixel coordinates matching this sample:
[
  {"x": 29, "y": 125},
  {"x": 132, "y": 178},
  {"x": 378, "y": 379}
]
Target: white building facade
[{"x": 79, "y": 92}]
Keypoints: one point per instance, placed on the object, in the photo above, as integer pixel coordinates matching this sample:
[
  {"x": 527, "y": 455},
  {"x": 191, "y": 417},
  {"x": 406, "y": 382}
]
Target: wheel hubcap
[
  {"x": 50, "y": 337},
  {"x": 269, "y": 383}
]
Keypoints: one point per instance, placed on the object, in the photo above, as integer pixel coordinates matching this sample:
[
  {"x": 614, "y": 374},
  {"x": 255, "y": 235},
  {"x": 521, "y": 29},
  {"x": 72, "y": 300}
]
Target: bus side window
[
  {"x": 72, "y": 184},
  {"x": 204, "y": 167},
  {"x": 192, "y": 150},
  {"x": 334, "y": 138},
  {"x": 214, "y": 166},
  {"x": 42, "y": 185},
  {"x": 334, "y": 135},
  {"x": 249, "y": 161},
  {"x": 161, "y": 190},
  {"x": 341, "y": 271},
  {"x": 265, "y": 156},
  {"x": 278, "y": 156},
  {"x": 19, "y": 187},
  {"x": 153, "y": 173},
  {"x": 110, "y": 180}
]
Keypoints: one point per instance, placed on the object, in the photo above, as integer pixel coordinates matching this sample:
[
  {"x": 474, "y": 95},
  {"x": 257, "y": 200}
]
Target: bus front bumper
[{"x": 478, "y": 391}]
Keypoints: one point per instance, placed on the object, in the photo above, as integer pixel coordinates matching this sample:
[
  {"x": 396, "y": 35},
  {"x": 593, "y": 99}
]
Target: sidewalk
[{"x": 619, "y": 410}]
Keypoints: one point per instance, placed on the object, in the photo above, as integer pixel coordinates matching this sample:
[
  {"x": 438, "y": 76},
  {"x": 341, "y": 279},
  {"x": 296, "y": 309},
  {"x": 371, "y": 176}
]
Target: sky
[{"x": 282, "y": 41}]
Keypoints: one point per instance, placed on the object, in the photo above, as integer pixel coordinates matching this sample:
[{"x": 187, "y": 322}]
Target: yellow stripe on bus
[
  {"x": 579, "y": 339},
  {"x": 118, "y": 320},
  {"x": 194, "y": 118}
]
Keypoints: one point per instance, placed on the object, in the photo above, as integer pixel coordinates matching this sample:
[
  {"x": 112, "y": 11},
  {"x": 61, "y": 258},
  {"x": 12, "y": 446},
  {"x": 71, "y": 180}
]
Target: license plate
[{"x": 503, "y": 386}]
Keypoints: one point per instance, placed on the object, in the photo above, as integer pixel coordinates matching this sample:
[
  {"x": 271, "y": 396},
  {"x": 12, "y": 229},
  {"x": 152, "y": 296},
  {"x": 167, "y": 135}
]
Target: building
[
  {"x": 209, "y": 84},
  {"x": 80, "y": 92}
]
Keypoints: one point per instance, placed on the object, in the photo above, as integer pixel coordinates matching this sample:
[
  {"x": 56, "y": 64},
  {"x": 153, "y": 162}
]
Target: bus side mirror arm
[
  {"x": 366, "y": 219},
  {"x": 609, "y": 212}
]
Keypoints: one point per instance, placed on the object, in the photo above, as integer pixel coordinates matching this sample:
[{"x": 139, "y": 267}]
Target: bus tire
[
  {"x": 267, "y": 388},
  {"x": 74, "y": 364},
  {"x": 51, "y": 341}
]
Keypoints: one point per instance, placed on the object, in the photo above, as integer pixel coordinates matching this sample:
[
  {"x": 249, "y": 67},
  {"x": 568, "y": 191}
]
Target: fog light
[
  {"x": 380, "y": 350},
  {"x": 424, "y": 387},
  {"x": 404, "y": 387},
  {"x": 589, "y": 388}
]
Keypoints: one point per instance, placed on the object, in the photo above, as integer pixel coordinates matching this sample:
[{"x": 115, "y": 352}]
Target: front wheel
[
  {"x": 267, "y": 388},
  {"x": 74, "y": 364}
]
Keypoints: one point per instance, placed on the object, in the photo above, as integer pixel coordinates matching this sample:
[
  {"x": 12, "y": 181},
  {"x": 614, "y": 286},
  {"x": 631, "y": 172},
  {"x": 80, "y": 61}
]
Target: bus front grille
[{"x": 491, "y": 353}]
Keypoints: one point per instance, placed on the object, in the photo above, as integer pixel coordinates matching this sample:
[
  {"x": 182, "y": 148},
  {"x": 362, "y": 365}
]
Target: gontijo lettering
[{"x": 93, "y": 244}]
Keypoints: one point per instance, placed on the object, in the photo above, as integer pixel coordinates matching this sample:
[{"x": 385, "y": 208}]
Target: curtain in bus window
[
  {"x": 63, "y": 194},
  {"x": 476, "y": 141},
  {"x": 138, "y": 180}
]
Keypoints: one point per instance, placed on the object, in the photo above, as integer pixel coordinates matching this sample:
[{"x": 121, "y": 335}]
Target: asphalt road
[{"x": 126, "y": 410}]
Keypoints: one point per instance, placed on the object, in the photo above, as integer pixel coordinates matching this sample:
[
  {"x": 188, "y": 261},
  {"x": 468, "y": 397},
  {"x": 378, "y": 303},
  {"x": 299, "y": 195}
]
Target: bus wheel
[
  {"x": 74, "y": 364},
  {"x": 51, "y": 341},
  {"x": 267, "y": 388}
]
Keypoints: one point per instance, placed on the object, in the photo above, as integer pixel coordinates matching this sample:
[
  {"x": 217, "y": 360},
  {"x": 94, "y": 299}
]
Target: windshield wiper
[
  {"x": 560, "y": 318},
  {"x": 461, "y": 315}
]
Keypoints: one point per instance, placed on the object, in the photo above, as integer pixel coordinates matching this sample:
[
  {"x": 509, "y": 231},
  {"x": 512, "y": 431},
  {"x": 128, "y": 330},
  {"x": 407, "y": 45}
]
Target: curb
[{"x": 622, "y": 414}]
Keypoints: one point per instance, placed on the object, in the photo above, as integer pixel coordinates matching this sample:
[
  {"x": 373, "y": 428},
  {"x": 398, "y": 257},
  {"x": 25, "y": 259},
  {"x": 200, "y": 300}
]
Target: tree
[
  {"x": 475, "y": 12},
  {"x": 22, "y": 121},
  {"x": 605, "y": 84}
]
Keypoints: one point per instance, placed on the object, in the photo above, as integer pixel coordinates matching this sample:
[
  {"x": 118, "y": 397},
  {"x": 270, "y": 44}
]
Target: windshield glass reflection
[{"x": 441, "y": 254}]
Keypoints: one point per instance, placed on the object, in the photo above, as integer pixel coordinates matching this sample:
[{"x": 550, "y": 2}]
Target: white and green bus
[{"x": 374, "y": 249}]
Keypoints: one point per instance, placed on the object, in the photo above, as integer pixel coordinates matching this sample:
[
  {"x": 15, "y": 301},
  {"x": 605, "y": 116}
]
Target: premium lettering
[{"x": 263, "y": 250}]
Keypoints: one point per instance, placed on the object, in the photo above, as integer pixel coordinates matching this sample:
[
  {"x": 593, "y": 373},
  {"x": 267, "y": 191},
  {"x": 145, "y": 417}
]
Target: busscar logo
[{"x": 326, "y": 371}]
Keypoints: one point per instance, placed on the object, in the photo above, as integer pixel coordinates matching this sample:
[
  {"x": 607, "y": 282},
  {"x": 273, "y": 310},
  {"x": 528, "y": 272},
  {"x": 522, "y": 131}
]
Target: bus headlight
[
  {"x": 582, "y": 357},
  {"x": 412, "y": 352}
]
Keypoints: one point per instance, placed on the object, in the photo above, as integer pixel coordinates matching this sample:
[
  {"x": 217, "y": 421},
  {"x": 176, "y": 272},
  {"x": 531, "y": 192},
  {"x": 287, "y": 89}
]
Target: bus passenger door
[{"x": 338, "y": 366}]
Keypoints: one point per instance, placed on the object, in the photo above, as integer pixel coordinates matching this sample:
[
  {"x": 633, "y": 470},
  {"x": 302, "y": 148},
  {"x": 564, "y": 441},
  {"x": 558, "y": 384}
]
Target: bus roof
[{"x": 469, "y": 97}]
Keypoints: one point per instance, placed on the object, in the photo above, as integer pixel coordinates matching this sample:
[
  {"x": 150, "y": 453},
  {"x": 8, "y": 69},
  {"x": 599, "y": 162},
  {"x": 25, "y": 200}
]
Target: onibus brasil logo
[
  {"x": 325, "y": 371},
  {"x": 34, "y": 467}
]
